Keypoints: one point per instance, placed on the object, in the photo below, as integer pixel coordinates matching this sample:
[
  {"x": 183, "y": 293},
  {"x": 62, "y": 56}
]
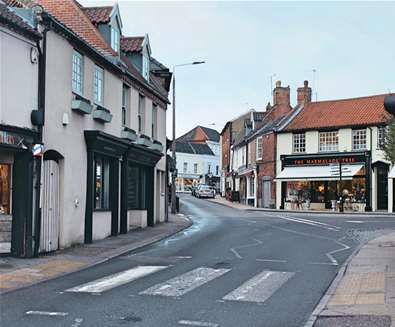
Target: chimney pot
[
  {"x": 304, "y": 93},
  {"x": 278, "y": 84},
  {"x": 306, "y": 83}
]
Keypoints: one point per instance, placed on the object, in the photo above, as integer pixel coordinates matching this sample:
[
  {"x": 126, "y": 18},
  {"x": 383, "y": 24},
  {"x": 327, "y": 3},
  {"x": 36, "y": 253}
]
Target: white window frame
[
  {"x": 115, "y": 39},
  {"x": 98, "y": 85},
  {"x": 359, "y": 139},
  {"x": 185, "y": 167},
  {"x": 141, "y": 114},
  {"x": 259, "y": 148},
  {"x": 299, "y": 142},
  {"x": 77, "y": 72},
  {"x": 125, "y": 105},
  {"x": 381, "y": 131},
  {"x": 251, "y": 187},
  {"x": 328, "y": 141},
  {"x": 145, "y": 69}
]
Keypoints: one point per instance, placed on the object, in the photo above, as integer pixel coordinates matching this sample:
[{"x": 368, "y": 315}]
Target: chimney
[
  {"x": 304, "y": 94},
  {"x": 281, "y": 95}
]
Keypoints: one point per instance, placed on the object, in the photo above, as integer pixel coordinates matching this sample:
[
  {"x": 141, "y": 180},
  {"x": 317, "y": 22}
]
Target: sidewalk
[
  {"x": 363, "y": 294},
  {"x": 16, "y": 273},
  {"x": 236, "y": 205}
]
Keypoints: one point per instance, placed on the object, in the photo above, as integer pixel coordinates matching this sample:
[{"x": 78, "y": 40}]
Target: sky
[{"x": 349, "y": 45}]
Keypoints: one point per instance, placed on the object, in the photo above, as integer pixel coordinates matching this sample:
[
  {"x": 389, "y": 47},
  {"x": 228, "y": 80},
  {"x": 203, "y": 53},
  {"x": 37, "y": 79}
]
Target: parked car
[{"x": 205, "y": 191}]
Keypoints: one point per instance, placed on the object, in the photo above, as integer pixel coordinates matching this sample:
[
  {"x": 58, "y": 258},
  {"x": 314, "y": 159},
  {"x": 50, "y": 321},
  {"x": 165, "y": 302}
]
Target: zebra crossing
[{"x": 257, "y": 289}]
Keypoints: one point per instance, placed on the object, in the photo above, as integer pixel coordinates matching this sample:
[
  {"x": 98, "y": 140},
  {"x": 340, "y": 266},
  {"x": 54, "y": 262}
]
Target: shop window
[
  {"x": 359, "y": 139},
  {"x": 102, "y": 181},
  {"x": 5, "y": 189},
  {"x": 299, "y": 142},
  {"x": 329, "y": 141}
]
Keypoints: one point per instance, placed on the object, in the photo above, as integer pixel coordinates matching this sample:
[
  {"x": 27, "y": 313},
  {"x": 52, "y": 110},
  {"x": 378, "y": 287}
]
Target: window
[
  {"x": 102, "y": 172},
  {"x": 217, "y": 170},
  {"x": 195, "y": 168},
  {"x": 359, "y": 139},
  {"x": 209, "y": 169},
  {"x": 146, "y": 67},
  {"x": 154, "y": 121},
  {"x": 381, "y": 137},
  {"x": 185, "y": 167},
  {"x": 251, "y": 187},
  {"x": 5, "y": 189},
  {"x": 98, "y": 85},
  {"x": 115, "y": 39},
  {"x": 125, "y": 105},
  {"x": 299, "y": 142},
  {"x": 141, "y": 114},
  {"x": 329, "y": 141},
  {"x": 77, "y": 72},
  {"x": 259, "y": 148}
]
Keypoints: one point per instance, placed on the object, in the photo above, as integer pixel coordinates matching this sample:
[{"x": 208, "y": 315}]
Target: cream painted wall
[
  {"x": 18, "y": 87},
  {"x": 101, "y": 227}
]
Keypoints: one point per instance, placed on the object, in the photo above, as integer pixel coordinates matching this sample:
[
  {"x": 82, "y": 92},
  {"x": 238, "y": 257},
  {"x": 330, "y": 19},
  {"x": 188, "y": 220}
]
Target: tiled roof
[
  {"x": 132, "y": 44},
  {"x": 12, "y": 21},
  {"x": 362, "y": 111},
  {"x": 70, "y": 13},
  {"x": 98, "y": 15},
  {"x": 193, "y": 148},
  {"x": 212, "y": 134}
]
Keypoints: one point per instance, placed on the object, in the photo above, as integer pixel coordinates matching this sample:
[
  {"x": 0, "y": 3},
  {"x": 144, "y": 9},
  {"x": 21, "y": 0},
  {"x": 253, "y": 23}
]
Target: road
[{"x": 231, "y": 268}]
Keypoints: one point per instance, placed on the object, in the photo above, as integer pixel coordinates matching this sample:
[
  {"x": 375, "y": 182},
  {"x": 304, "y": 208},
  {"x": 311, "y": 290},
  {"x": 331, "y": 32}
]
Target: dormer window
[
  {"x": 114, "y": 39},
  {"x": 146, "y": 67}
]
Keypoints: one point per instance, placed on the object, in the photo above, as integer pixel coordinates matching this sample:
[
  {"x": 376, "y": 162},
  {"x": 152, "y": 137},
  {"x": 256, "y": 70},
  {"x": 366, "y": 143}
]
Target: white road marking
[
  {"x": 185, "y": 283},
  {"x": 272, "y": 260},
  {"x": 354, "y": 221},
  {"x": 197, "y": 323},
  {"x": 259, "y": 288},
  {"x": 330, "y": 254},
  {"x": 77, "y": 322},
  {"x": 46, "y": 313},
  {"x": 307, "y": 222},
  {"x": 237, "y": 254},
  {"x": 115, "y": 280}
]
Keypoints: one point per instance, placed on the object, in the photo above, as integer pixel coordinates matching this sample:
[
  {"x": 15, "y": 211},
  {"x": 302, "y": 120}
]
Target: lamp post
[{"x": 173, "y": 145}]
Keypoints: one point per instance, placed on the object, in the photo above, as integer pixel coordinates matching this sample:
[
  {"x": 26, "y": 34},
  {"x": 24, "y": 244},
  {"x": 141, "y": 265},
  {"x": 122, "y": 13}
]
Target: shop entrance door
[
  {"x": 49, "y": 236},
  {"x": 266, "y": 193},
  {"x": 382, "y": 188}
]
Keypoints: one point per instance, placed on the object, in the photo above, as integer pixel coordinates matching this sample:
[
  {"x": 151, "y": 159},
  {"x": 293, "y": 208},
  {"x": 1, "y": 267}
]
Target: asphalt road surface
[{"x": 231, "y": 268}]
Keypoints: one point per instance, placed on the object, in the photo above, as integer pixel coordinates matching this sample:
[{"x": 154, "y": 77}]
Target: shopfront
[
  {"x": 326, "y": 181},
  {"x": 16, "y": 191}
]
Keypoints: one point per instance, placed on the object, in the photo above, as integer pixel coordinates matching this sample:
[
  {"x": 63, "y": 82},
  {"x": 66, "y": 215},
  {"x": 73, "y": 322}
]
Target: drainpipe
[{"x": 42, "y": 50}]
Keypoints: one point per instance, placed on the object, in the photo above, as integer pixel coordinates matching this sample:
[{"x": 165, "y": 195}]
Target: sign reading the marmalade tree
[{"x": 324, "y": 160}]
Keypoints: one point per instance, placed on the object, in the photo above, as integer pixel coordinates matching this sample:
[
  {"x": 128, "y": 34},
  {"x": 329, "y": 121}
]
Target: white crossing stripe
[
  {"x": 46, "y": 313},
  {"x": 185, "y": 283},
  {"x": 197, "y": 323},
  {"x": 259, "y": 288},
  {"x": 115, "y": 280}
]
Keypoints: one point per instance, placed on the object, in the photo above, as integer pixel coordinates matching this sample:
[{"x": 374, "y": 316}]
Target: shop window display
[{"x": 5, "y": 189}]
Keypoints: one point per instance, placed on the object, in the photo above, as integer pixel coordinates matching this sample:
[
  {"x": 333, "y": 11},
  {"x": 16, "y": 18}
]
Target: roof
[
  {"x": 72, "y": 15},
  {"x": 363, "y": 111},
  {"x": 211, "y": 135},
  {"x": 11, "y": 20},
  {"x": 193, "y": 148},
  {"x": 132, "y": 43},
  {"x": 98, "y": 15}
]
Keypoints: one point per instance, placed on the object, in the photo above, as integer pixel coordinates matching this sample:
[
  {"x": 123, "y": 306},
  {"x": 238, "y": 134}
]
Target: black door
[{"x": 382, "y": 188}]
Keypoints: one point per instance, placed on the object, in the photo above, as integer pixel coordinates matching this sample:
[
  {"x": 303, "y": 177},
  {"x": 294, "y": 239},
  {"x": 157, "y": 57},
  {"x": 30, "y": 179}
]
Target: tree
[{"x": 389, "y": 141}]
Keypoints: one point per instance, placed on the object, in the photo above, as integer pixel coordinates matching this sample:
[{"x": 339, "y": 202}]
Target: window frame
[
  {"x": 75, "y": 74},
  {"x": 300, "y": 145},
  {"x": 195, "y": 168},
  {"x": 381, "y": 131},
  {"x": 141, "y": 114},
  {"x": 154, "y": 127},
  {"x": 145, "y": 67},
  {"x": 104, "y": 178},
  {"x": 357, "y": 144},
  {"x": 259, "y": 148},
  {"x": 98, "y": 88},
  {"x": 115, "y": 41},
  {"x": 328, "y": 137},
  {"x": 185, "y": 168}
]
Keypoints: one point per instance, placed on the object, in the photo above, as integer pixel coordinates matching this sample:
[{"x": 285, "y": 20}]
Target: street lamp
[{"x": 173, "y": 145}]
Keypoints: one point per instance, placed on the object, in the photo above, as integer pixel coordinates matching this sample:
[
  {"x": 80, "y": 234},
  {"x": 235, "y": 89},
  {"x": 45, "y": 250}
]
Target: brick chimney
[
  {"x": 281, "y": 95},
  {"x": 304, "y": 94}
]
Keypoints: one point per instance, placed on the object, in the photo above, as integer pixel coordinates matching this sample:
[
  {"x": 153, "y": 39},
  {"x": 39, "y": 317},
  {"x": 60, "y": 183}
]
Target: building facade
[
  {"x": 198, "y": 157},
  {"x": 104, "y": 166},
  {"x": 330, "y": 156}
]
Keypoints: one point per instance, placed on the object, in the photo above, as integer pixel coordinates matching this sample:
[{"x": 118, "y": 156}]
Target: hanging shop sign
[{"x": 38, "y": 150}]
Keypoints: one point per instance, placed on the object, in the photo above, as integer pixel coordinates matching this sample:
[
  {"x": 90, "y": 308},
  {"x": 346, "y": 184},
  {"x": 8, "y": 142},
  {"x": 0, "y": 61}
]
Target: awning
[
  {"x": 318, "y": 173},
  {"x": 392, "y": 173}
]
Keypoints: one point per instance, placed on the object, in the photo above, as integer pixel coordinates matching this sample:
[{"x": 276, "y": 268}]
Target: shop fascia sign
[
  {"x": 12, "y": 139},
  {"x": 316, "y": 161}
]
